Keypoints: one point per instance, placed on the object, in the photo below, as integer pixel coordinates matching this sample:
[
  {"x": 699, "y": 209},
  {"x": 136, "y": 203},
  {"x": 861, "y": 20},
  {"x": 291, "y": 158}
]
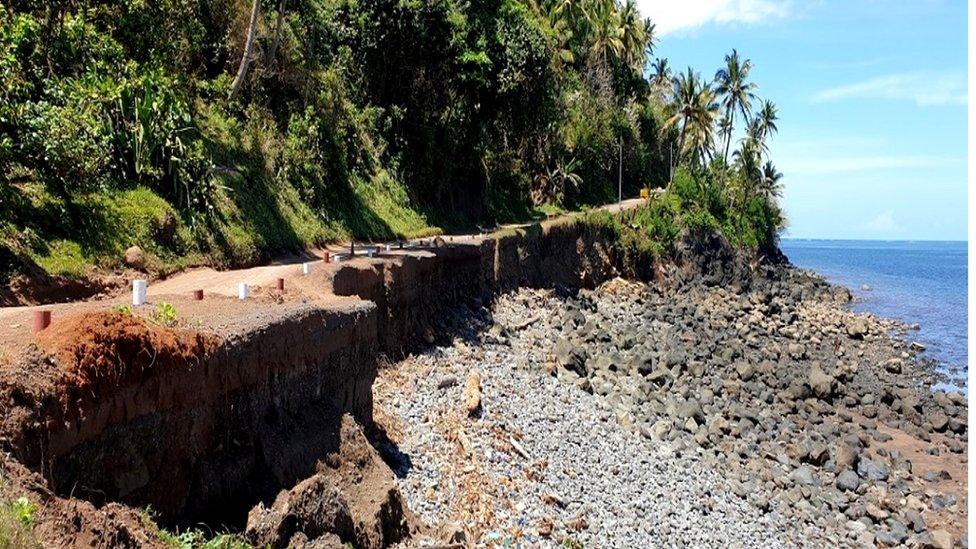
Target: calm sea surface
[{"x": 917, "y": 282}]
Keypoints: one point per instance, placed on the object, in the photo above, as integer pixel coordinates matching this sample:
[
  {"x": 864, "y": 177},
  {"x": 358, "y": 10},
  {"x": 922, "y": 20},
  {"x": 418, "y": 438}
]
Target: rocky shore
[{"x": 701, "y": 413}]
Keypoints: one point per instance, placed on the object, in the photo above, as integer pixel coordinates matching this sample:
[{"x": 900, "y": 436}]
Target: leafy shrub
[
  {"x": 165, "y": 314},
  {"x": 16, "y": 524},
  {"x": 24, "y": 509}
]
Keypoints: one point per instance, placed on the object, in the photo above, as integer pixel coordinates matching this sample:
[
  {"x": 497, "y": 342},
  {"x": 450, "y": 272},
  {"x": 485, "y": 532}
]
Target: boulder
[
  {"x": 803, "y": 476},
  {"x": 848, "y": 480},
  {"x": 939, "y": 421},
  {"x": 745, "y": 371},
  {"x": 329, "y": 509},
  {"x": 857, "y": 328},
  {"x": 569, "y": 356},
  {"x": 873, "y": 470},
  {"x": 845, "y": 456},
  {"x": 821, "y": 383},
  {"x": 941, "y": 539},
  {"x": 135, "y": 258}
]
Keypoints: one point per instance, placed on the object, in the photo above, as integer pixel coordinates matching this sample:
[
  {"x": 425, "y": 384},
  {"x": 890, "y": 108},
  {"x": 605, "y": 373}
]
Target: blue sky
[{"x": 872, "y": 101}]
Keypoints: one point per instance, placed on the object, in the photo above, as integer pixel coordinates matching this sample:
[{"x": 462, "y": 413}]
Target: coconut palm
[
  {"x": 769, "y": 185},
  {"x": 747, "y": 163},
  {"x": 766, "y": 121},
  {"x": 694, "y": 109},
  {"x": 661, "y": 76},
  {"x": 701, "y": 134},
  {"x": 636, "y": 36},
  {"x": 606, "y": 31},
  {"x": 731, "y": 83}
]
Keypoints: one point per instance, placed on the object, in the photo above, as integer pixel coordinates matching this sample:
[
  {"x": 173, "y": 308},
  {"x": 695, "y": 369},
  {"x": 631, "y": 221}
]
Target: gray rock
[
  {"x": 848, "y": 480},
  {"x": 803, "y": 476},
  {"x": 745, "y": 371},
  {"x": 873, "y": 470},
  {"x": 569, "y": 356}
]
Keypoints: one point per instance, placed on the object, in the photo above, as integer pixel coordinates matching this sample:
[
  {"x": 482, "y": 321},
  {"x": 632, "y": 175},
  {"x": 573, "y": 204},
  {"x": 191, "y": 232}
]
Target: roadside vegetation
[
  {"x": 17, "y": 524},
  {"x": 223, "y": 132}
]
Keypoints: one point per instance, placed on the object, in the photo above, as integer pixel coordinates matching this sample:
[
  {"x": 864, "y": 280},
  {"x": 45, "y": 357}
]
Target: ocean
[{"x": 917, "y": 282}]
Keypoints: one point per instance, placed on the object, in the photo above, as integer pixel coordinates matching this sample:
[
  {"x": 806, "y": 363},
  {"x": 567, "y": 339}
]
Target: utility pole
[{"x": 620, "y": 171}]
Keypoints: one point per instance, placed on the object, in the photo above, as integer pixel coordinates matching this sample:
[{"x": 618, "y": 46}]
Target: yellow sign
[{"x": 645, "y": 193}]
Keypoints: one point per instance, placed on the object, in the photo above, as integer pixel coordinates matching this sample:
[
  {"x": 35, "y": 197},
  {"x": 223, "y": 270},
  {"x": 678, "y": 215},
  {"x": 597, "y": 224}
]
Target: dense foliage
[{"x": 222, "y": 131}]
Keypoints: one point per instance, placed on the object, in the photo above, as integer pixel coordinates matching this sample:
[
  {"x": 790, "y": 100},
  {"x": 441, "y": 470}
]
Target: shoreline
[
  {"x": 739, "y": 386},
  {"x": 755, "y": 431},
  {"x": 920, "y": 283}
]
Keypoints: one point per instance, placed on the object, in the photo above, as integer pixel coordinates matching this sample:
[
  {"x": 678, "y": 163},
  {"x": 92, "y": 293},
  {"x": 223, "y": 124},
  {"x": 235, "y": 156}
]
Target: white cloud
[
  {"x": 812, "y": 164},
  {"x": 925, "y": 88},
  {"x": 884, "y": 222},
  {"x": 671, "y": 16}
]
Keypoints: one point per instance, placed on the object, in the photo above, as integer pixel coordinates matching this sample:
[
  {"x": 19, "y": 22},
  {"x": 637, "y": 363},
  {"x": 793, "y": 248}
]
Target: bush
[{"x": 17, "y": 523}]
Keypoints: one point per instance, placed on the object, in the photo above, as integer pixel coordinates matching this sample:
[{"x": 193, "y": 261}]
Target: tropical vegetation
[{"x": 224, "y": 131}]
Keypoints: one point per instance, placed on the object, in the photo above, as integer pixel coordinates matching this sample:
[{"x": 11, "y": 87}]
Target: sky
[{"x": 872, "y": 98}]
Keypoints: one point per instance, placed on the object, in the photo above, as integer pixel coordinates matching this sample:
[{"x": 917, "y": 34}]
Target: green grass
[
  {"x": 17, "y": 523},
  {"x": 190, "y": 539}
]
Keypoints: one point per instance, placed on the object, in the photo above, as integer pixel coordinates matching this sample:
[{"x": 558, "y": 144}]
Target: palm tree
[
  {"x": 661, "y": 79},
  {"x": 636, "y": 36},
  {"x": 732, "y": 84},
  {"x": 606, "y": 31},
  {"x": 770, "y": 185},
  {"x": 701, "y": 135},
  {"x": 766, "y": 121},
  {"x": 694, "y": 109}
]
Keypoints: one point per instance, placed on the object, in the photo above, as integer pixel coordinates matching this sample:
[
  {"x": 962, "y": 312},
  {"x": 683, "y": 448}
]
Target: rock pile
[{"x": 820, "y": 421}]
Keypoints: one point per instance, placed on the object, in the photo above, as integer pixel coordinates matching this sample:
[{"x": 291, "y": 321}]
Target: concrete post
[{"x": 139, "y": 288}]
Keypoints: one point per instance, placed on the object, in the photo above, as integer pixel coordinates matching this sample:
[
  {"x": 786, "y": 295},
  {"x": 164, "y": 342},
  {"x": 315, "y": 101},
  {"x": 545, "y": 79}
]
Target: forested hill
[{"x": 223, "y": 131}]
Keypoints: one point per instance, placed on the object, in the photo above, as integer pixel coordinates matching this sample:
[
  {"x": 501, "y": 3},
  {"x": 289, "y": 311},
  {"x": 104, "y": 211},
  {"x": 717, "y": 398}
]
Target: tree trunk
[
  {"x": 248, "y": 49},
  {"x": 277, "y": 39},
  {"x": 728, "y": 133}
]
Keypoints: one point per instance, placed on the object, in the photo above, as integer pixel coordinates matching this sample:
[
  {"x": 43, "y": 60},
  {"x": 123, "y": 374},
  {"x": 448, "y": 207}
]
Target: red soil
[{"x": 99, "y": 352}]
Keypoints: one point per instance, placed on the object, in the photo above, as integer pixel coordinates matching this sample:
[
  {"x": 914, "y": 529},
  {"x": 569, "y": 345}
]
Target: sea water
[{"x": 921, "y": 283}]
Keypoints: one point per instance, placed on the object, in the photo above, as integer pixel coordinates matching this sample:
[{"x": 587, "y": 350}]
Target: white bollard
[
  {"x": 306, "y": 268},
  {"x": 243, "y": 290},
  {"x": 388, "y": 247},
  {"x": 139, "y": 292}
]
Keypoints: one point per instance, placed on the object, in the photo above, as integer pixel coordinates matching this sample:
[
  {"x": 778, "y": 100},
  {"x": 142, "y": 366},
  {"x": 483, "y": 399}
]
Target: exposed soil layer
[
  {"x": 99, "y": 353},
  {"x": 38, "y": 287},
  {"x": 351, "y": 498},
  {"x": 244, "y": 399}
]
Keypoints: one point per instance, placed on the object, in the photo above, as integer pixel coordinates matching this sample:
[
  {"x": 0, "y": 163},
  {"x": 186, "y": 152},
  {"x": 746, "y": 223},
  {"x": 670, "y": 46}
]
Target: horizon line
[{"x": 875, "y": 239}]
